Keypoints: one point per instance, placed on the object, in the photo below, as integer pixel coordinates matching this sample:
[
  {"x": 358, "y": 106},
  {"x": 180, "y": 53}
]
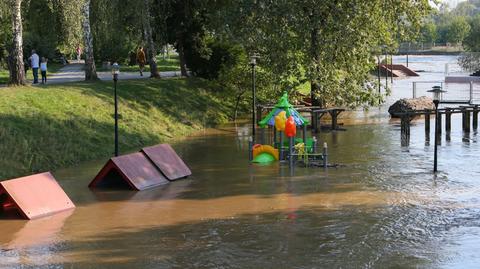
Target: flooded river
[{"x": 383, "y": 208}]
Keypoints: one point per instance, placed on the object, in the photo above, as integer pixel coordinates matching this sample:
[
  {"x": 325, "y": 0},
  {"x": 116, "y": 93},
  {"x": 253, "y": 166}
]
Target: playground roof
[{"x": 283, "y": 105}]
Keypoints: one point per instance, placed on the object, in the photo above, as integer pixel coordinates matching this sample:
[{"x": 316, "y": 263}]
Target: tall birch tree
[
  {"x": 147, "y": 32},
  {"x": 15, "y": 60},
  {"x": 90, "y": 69}
]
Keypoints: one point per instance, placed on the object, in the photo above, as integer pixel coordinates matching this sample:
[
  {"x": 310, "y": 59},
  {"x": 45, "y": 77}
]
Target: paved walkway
[{"x": 74, "y": 72}]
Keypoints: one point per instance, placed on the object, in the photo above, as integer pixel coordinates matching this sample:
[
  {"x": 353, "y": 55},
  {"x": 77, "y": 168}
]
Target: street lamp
[
  {"x": 115, "y": 72},
  {"x": 253, "y": 64},
  {"x": 436, "y": 91}
]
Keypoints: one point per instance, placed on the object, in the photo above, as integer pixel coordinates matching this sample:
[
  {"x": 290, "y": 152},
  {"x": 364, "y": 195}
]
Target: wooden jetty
[{"x": 469, "y": 119}]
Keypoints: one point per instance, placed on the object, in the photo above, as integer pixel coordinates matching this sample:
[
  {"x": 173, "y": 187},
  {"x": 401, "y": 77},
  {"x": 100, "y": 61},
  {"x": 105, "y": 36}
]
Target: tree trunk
[
  {"x": 16, "y": 67},
  {"x": 90, "y": 69},
  {"x": 147, "y": 32},
  {"x": 181, "y": 55}
]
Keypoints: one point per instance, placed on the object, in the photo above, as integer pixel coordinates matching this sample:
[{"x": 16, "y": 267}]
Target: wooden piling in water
[
  {"x": 405, "y": 128},
  {"x": 475, "y": 117},
  {"x": 427, "y": 122},
  {"x": 334, "y": 120},
  {"x": 448, "y": 119},
  {"x": 467, "y": 120}
]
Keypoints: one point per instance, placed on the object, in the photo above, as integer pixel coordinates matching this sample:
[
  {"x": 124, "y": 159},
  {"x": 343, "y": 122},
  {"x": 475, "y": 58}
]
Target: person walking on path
[
  {"x": 43, "y": 69},
  {"x": 141, "y": 59},
  {"x": 34, "y": 62},
  {"x": 79, "y": 53}
]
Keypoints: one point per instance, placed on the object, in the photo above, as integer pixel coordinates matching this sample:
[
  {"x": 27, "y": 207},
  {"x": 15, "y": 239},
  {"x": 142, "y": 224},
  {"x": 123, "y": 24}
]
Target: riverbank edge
[{"x": 60, "y": 126}]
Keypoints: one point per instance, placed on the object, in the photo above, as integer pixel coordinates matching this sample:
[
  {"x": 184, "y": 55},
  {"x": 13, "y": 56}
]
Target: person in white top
[
  {"x": 34, "y": 59},
  {"x": 43, "y": 69}
]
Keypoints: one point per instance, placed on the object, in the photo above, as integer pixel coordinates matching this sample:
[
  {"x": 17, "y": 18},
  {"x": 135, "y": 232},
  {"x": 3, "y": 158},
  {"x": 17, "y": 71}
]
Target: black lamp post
[
  {"x": 253, "y": 64},
  {"x": 436, "y": 91},
  {"x": 115, "y": 72}
]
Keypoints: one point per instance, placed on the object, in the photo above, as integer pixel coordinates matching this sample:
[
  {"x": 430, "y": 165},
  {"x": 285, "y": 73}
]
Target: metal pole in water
[
  {"x": 274, "y": 137},
  {"x": 325, "y": 155},
  {"x": 304, "y": 134},
  {"x": 280, "y": 148},
  {"x": 436, "y": 136},
  {"x": 391, "y": 68},
  {"x": 408, "y": 52},
  {"x": 115, "y": 78},
  {"x": 414, "y": 87},
  {"x": 386, "y": 71},
  {"x": 250, "y": 148},
  {"x": 378, "y": 76},
  {"x": 253, "y": 63},
  {"x": 290, "y": 151},
  {"x": 471, "y": 93}
]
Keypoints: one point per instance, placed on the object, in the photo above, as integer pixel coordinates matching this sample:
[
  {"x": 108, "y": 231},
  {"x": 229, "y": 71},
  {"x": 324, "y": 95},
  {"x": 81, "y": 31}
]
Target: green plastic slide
[{"x": 264, "y": 158}]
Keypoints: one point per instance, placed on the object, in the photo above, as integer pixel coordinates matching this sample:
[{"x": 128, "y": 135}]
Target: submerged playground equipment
[
  {"x": 284, "y": 120},
  {"x": 151, "y": 167},
  {"x": 40, "y": 195},
  {"x": 33, "y": 196}
]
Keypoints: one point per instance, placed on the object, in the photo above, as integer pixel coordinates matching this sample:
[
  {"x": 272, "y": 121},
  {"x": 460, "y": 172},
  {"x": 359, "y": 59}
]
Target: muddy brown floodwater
[{"x": 383, "y": 208}]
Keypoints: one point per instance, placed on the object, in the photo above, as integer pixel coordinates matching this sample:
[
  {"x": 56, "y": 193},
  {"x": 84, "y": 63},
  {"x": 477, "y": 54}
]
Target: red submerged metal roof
[
  {"x": 167, "y": 160},
  {"x": 136, "y": 169},
  {"x": 35, "y": 196}
]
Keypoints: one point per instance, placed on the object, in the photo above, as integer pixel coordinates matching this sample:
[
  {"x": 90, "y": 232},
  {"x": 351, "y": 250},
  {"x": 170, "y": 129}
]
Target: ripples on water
[{"x": 383, "y": 209}]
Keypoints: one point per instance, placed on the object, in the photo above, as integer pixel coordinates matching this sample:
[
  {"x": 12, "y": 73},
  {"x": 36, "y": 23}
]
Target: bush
[{"x": 216, "y": 56}]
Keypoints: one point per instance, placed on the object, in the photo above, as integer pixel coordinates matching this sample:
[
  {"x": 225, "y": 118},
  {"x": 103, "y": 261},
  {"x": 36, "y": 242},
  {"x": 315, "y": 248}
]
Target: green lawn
[
  {"x": 52, "y": 68},
  {"x": 170, "y": 64},
  {"x": 61, "y": 125}
]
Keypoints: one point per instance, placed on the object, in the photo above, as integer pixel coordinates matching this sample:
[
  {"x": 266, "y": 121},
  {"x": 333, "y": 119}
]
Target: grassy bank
[{"x": 61, "y": 125}]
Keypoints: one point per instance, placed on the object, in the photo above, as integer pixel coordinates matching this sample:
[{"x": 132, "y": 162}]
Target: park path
[{"x": 74, "y": 72}]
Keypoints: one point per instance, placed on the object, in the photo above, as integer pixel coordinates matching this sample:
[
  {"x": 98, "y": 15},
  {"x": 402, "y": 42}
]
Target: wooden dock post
[
  {"x": 475, "y": 117},
  {"x": 314, "y": 121},
  {"x": 448, "y": 119},
  {"x": 467, "y": 120},
  {"x": 405, "y": 129},
  {"x": 334, "y": 115},
  {"x": 427, "y": 122}
]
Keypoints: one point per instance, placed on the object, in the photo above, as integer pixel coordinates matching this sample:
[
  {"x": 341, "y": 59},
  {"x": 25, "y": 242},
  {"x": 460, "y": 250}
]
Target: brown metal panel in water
[
  {"x": 37, "y": 195},
  {"x": 167, "y": 160},
  {"x": 139, "y": 170},
  {"x": 136, "y": 169}
]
